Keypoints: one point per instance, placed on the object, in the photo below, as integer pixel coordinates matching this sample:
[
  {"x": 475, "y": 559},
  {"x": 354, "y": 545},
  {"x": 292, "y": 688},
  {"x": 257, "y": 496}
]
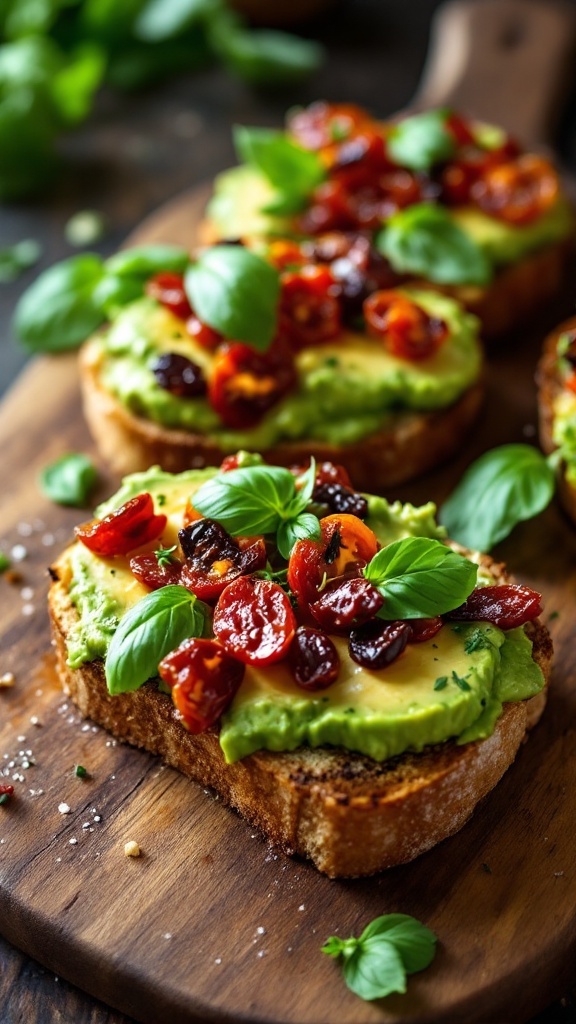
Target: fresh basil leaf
[
  {"x": 69, "y": 480},
  {"x": 374, "y": 970},
  {"x": 235, "y": 292},
  {"x": 420, "y": 578},
  {"x": 415, "y": 943},
  {"x": 424, "y": 239},
  {"x": 147, "y": 632},
  {"x": 502, "y": 488},
  {"x": 305, "y": 526},
  {"x": 163, "y": 19},
  {"x": 17, "y": 258},
  {"x": 113, "y": 292},
  {"x": 420, "y": 141},
  {"x": 58, "y": 311},
  {"x": 263, "y": 57},
  {"x": 145, "y": 260},
  {"x": 293, "y": 171},
  {"x": 247, "y": 501},
  {"x": 307, "y": 483},
  {"x": 74, "y": 86}
]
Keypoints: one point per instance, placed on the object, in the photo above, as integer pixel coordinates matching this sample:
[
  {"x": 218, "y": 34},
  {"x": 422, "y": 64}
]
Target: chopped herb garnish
[
  {"x": 435, "y": 646},
  {"x": 80, "y": 772},
  {"x": 4, "y": 562},
  {"x": 460, "y": 681},
  {"x": 164, "y": 556},
  {"x": 161, "y": 500},
  {"x": 477, "y": 641},
  {"x": 553, "y": 615},
  {"x": 332, "y": 362},
  {"x": 441, "y": 682}
]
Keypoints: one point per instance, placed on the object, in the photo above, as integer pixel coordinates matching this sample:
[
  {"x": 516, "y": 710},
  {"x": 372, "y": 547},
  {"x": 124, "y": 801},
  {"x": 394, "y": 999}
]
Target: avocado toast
[
  {"x": 556, "y": 378},
  {"x": 357, "y": 740},
  {"x": 449, "y": 202}
]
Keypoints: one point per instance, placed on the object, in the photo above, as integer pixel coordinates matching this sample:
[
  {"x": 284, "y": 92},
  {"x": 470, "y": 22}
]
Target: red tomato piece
[
  {"x": 459, "y": 128},
  {"x": 326, "y": 473},
  {"x": 285, "y": 254},
  {"x": 519, "y": 191},
  {"x": 309, "y": 307},
  {"x": 424, "y": 629},
  {"x": 202, "y": 334},
  {"x": 405, "y": 328},
  {"x": 506, "y": 606},
  {"x": 254, "y": 621},
  {"x": 347, "y": 545},
  {"x": 245, "y": 384},
  {"x": 127, "y": 528},
  {"x": 204, "y": 680},
  {"x": 321, "y": 124},
  {"x": 345, "y": 604},
  {"x": 168, "y": 288},
  {"x": 149, "y": 571}
]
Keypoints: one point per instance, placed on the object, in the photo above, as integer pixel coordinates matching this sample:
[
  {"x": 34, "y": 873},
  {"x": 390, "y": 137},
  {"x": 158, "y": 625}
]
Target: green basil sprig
[
  {"x": 264, "y": 56},
  {"x": 293, "y": 171},
  {"x": 420, "y": 141},
  {"x": 261, "y": 499},
  {"x": 235, "y": 292},
  {"x": 500, "y": 489},
  {"x": 420, "y": 578},
  {"x": 69, "y": 480},
  {"x": 148, "y": 632},
  {"x": 424, "y": 239},
  {"x": 389, "y": 948}
]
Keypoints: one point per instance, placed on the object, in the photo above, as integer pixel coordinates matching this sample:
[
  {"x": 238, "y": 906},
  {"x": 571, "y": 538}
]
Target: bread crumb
[
  {"x": 131, "y": 849},
  {"x": 7, "y": 680}
]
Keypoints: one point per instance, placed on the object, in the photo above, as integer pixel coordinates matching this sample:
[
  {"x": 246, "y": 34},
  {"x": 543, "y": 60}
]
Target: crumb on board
[
  {"x": 7, "y": 680},
  {"x": 131, "y": 849}
]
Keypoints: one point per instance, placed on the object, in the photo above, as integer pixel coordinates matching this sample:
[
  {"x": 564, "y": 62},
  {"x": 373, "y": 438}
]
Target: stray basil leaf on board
[
  {"x": 500, "y": 489},
  {"x": 69, "y": 480},
  {"x": 420, "y": 578},
  {"x": 376, "y": 964}
]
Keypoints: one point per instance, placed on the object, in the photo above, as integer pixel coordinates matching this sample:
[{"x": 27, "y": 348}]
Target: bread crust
[
  {"x": 550, "y": 385},
  {"x": 350, "y": 815},
  {"x": 413, "y": 443}
]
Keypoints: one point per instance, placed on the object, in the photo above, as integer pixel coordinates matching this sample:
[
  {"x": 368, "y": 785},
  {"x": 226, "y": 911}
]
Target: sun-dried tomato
[
  {"x": 356, "y": 265},
  {"x": 347, "y": 545},
  {"x": 506, "y": 606},
  {"x": 345, "y": 604},
  {"x": 518, "y": 191},
  {"x": 309, "y": 311},
  {"x": 424, "y": 629},
  {"x": 254, "y": 621},
  {"x": 213, "y": 558},
  {"x": 203, "y": 335},
  {"x": 179, "y": 375},
  {"x": 245, "y": 384},
  {"x": 459, "y": 128},
  {"x": 127, "y": 528},
  {"x": 337, "y": 498},
  {"x": 361, "y": 200},
  {"x": 321, "y": 124},
  {"x": 313, "y": 659},
  {"x": 154, "y": 573},
  {"x": 168, "y": 288},
  {"x": 405, "y": 328},
  {"x": 204, "y": 680},
  {"x": 378, "y": 643},
  {"x": 469, "y": 165},
  {"x": 285, "y": 254}
]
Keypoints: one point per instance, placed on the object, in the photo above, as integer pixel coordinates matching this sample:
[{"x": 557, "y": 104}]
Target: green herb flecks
[
  {"x": 377, "y": 963},
  {"x": 460, "y": 681},
  {"x": 164, "y": 556},
  {"x": 441, "y": 683},
  {"x": 80, "y": 772},
  {"x": 478, "y": 641}
]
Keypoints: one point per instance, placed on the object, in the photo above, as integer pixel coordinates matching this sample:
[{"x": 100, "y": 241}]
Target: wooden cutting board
[{"x": 210, "y": 924}]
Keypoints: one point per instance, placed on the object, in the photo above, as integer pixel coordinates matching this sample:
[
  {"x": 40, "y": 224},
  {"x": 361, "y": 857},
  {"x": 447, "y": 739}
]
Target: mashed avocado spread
[
  {"x": 451, "y": 686},
  {"x": 347, "y": 389}
]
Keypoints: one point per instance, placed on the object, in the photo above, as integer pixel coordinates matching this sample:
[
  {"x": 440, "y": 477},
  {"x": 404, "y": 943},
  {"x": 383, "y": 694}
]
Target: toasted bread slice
[
  {"x": 350, "y": 815},
  {"x": 413, "y": 443},
  {"x": 549, "y": 387}
]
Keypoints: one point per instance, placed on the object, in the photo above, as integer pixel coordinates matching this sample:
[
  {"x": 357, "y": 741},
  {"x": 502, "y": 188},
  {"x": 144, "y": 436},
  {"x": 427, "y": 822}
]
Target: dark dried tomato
[
  {"x": 127, "y": 528},
  {"x": 425, "y": 629},
  {"x": 214, "y": 558},
  {"x": 254, "y": 621},
  {"x": 356, "y": 265},
  {"x": 245, "y": 384},
  {"x": 204, "y": 680},
  {"x": 365, "y": 149},
  {"x": 506, "y": 606},
  {"x": 179, "y": 375},
  {"x": 378, "y": 643},
  {"x": 518, "y": 191},
  {"x": 154, "y": 574},
  {"x": 341, "y": 499},
  {"x": 345, "y": 604},
  {"x": 204, "y": 541},
  {"x": 309, "y": 311},
  {"x": 313, "y": 659},
  {"x": 168, "y": 289},
  {"x": 203, "y": 335},
  {"x": 406, "y": 329}
]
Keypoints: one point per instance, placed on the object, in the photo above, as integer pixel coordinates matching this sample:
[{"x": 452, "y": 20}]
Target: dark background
[{"x": 137, "y": 151}]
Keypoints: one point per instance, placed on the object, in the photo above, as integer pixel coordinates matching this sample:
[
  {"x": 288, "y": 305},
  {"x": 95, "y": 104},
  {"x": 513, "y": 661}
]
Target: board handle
[{"x": 504, "y": 61}]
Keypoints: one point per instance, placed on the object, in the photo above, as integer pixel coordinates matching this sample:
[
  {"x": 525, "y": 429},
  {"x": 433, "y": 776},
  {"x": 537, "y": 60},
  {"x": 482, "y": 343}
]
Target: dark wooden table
[{"x": 138, "y": 151}]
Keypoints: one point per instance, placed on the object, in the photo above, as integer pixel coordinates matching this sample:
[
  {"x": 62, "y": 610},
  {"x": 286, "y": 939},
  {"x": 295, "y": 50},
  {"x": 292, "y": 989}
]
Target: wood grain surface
[{"x": 210, "y": 923}]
